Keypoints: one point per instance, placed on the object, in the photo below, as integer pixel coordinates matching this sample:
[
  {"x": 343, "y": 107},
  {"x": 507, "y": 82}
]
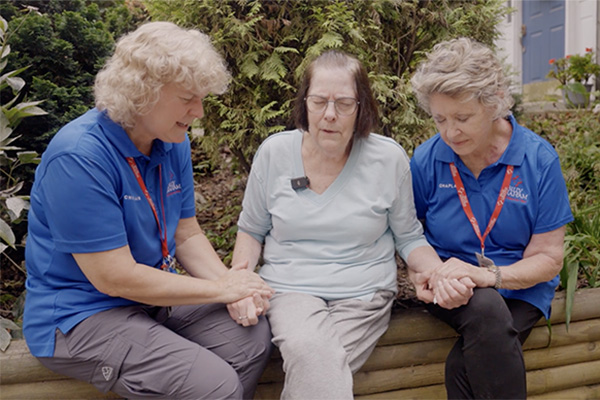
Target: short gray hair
[{"x": 463, "y": 67}]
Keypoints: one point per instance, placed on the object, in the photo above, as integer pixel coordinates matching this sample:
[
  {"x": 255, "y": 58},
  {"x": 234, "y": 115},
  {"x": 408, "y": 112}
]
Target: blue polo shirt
[
  {"x": 537, "y": 202},
  {"x": 85, "y": 198}
]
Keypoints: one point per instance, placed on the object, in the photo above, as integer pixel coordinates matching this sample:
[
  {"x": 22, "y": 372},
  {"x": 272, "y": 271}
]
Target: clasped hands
[
  {"x": 450, "y": 284},
  {"x": 253, "y": 300}
]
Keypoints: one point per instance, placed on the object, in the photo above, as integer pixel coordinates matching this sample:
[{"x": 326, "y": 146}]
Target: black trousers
[{"x": 486, "y": 361}]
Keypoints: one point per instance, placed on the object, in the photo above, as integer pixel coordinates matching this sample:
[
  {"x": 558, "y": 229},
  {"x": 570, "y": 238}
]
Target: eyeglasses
[{"x": 343, "y": 105}]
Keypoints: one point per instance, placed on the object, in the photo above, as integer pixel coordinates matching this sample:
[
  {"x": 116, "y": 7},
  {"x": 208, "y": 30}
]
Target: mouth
[
  {"x": 458, "y": 143},
  {"x": 328, "y": 131},
  {"x": 182, "y": 125}
]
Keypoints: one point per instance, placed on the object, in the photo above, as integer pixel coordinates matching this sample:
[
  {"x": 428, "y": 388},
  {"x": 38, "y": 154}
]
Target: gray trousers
[
  {"x": 187, "y": 352},
  {"x": 323, "y": 343}
]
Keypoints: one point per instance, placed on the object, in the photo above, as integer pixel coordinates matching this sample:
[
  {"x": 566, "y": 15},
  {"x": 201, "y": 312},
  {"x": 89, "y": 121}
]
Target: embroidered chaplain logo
[
  {"x": 107, "y": 372},
  {"x": 173, "y": 187},
  {"x": 516, "y": 193}
]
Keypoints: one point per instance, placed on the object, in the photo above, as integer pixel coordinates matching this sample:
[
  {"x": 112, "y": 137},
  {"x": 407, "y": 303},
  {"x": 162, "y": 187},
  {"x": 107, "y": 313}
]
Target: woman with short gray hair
[{"x": 494, "y": 205}]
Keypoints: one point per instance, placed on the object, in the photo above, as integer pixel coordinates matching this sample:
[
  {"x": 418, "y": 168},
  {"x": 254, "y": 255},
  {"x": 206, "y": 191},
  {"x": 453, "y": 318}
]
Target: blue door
[{"x": 544, "y": 37}]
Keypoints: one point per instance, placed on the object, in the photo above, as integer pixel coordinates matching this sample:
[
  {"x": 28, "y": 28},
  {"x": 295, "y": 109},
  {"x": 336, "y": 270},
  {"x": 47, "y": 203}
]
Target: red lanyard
[
  {"x": 167, "y": 259},
  {"x": 464, "y": 201}
]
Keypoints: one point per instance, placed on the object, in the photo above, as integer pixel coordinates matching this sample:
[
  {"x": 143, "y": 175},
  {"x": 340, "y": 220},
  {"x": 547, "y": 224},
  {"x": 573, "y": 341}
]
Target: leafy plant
[
  {"x": 6, "y": 326},
  {"x": 65, "y": 44},
  {"x": 583, "y": 245},
  {"x": 574, "y": 68},
  {"x": 268, "y": 44},
  {"x": 573, "y": 73},
  {"x": 11, "y": 204},
  {"x": 559, "y": 70},
  {"x": 576, "y": 137}
]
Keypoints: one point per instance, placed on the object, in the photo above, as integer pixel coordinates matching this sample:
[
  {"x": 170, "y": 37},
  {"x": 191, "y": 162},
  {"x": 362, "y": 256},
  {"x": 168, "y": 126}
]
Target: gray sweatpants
[
  {"x": 323, "y": 343},
  {"x": 187, "y": 352}
]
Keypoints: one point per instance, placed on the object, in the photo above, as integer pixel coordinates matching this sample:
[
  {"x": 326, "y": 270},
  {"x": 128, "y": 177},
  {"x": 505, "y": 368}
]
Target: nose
[
  {"x": 330, "y": 112},
  {"x": 452, "y": 130},
  {"x": 197, "y": 109}
]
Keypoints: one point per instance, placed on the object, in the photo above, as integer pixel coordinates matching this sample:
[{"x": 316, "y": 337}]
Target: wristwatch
[{"x": 493, "y": 268}]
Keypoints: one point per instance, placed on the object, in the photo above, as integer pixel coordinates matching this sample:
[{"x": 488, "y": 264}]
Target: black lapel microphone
[{"x": 300, "y": 183}]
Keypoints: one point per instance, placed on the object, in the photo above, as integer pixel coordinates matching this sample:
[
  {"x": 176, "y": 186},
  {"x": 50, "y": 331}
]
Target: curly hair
[
  {"x": 467, "y": 69},
  {"x": 155, "y": 54},
  {"x": 367, "y": 117}
]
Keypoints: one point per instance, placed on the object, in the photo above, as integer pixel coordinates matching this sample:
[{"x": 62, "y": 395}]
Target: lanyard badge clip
[
  {"x": 484, "y": 261},
  {"x": 168, "y": 264}
]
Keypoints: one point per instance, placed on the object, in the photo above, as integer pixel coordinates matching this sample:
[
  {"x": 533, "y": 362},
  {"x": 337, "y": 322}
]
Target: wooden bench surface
[{"x": 408, "y": 361}]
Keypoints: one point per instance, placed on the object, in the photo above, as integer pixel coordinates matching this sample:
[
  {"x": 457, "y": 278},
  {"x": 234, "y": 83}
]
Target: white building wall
[
  {"x": 581, "y": 26},
  {"x": 509, "y": 45}
]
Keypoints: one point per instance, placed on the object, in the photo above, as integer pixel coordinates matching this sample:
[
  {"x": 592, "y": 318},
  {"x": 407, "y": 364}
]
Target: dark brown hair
[{"x": 366, "y": 118}]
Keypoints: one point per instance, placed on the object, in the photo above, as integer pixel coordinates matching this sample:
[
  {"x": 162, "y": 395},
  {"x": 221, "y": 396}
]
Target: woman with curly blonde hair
[
  {"x": 112, "y": 207},
  {"x": 494, "y": 205}
]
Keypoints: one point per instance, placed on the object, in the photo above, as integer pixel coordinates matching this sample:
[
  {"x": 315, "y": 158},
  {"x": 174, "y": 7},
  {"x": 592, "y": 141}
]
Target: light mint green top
[{"x": 341, "y": 243}]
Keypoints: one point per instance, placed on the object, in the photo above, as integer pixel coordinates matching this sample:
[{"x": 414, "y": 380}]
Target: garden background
[{"x": 51, "y": 51}]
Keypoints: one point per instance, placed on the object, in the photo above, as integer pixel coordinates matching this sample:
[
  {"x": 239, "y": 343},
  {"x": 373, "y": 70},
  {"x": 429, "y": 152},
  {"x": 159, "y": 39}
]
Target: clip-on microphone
[{"x": 300, "y": 183}]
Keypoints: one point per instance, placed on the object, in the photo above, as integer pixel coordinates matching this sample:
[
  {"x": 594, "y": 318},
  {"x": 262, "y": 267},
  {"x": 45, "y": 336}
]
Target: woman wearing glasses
[{"x": 331, "y": 202}]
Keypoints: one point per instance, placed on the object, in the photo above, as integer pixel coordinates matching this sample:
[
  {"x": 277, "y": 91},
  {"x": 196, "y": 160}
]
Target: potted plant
[{"x": 573, "y": 72}]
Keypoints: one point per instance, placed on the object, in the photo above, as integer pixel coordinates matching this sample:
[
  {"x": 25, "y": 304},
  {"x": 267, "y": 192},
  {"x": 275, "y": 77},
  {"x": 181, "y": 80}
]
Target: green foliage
[
  {"x": 268, "y": 44},
  {"x": 576, "y": 67},
  {"x": 5, "y": 327},
  {"x": 576, "y": 137},
  {"x": 573, "y": 73},
  {"x": 65, "y": 44},
  {"x": 12, "y": 205}
]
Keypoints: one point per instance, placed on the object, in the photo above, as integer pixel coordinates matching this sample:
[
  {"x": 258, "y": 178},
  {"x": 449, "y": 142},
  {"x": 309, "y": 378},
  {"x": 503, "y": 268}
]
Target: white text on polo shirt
[
  {"x": 447, "y": 186},
  {"x": 517, "y": 193},
  {"x": 173, "y": 187},
  {"x": 130, "y": 197}
]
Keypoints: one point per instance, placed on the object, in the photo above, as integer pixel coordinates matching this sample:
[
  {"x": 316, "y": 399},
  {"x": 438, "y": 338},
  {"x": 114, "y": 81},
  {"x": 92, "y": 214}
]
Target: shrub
[
  {"x": 576, "y": 137},
  {"x": 268, "y": 44},
  {"x": 65, "y": 45},
  {"x": 13, "y": 204}
]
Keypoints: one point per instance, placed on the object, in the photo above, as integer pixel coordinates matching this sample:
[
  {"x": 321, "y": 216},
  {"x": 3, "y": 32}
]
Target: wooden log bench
[{"x": 408, "y": 362}]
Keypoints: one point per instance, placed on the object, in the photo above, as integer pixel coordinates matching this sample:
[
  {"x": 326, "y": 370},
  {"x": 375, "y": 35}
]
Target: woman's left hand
[
  {"x": 246, "y": 311},
  {"x": 453, "y": 293}
]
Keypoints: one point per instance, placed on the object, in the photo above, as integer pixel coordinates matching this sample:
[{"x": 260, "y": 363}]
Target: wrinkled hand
[
  {"x": 239, "y": 283},
  {"x": 423, "y": 289},
  {"x": 453, "y": 268},
  {"x": 246, "y": 311},
  {"x": 452, "y": 283},
  {"x": 448, "y": 292},
  {"x": 452, "y": 293}
]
